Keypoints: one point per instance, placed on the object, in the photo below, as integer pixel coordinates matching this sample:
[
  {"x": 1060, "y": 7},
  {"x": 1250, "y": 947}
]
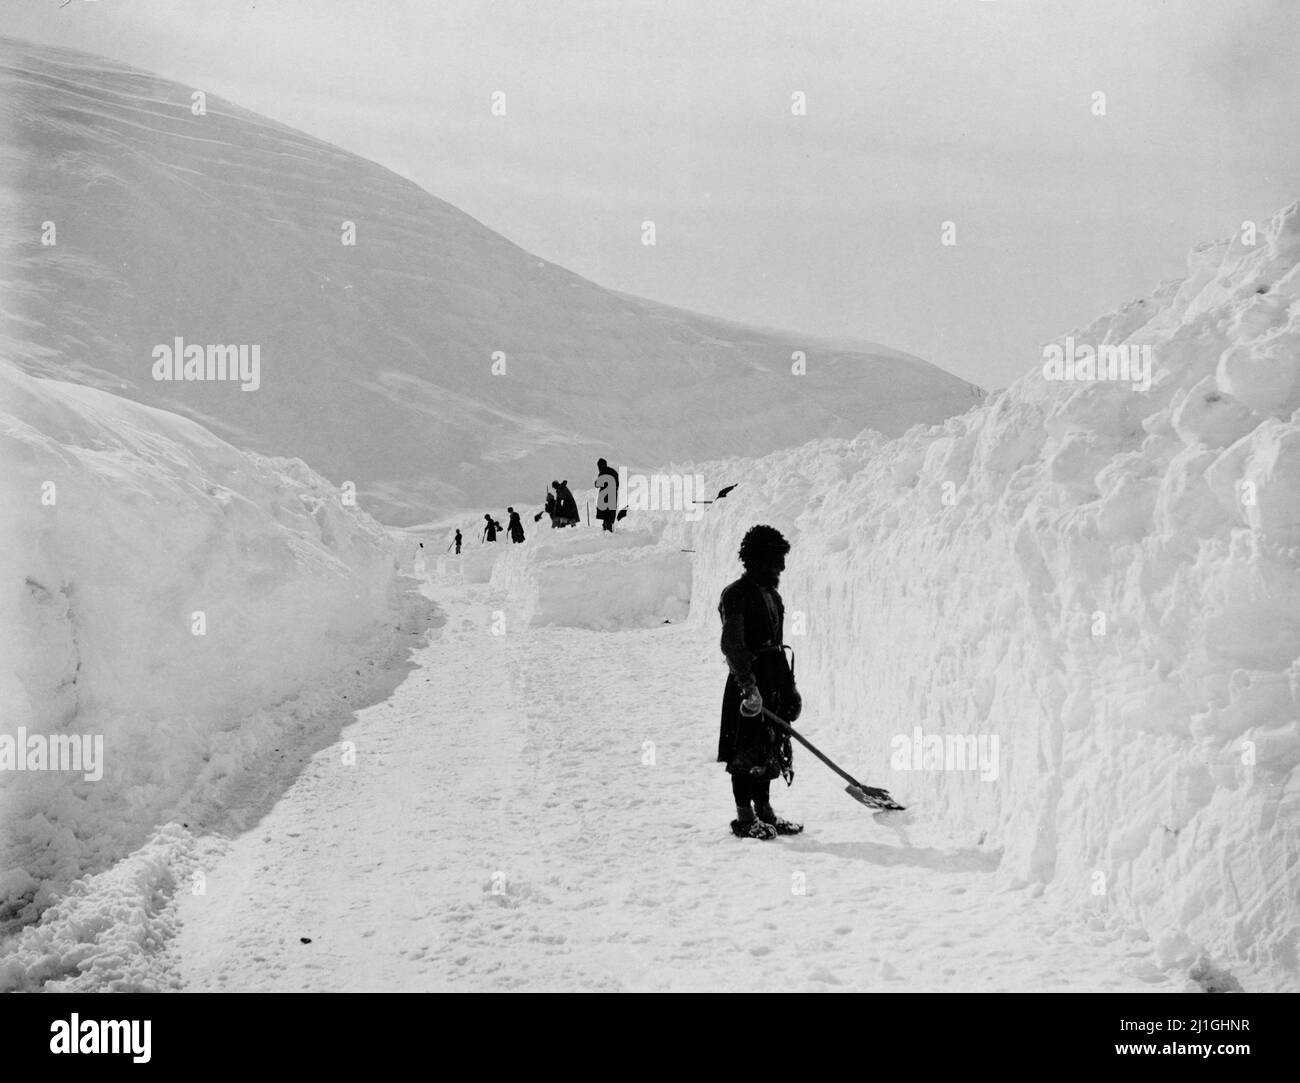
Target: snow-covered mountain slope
[
  {"x": 1105, "y": 579},
  {"x": 376, "y": 359},
  {"x": 182, "y": 606}
]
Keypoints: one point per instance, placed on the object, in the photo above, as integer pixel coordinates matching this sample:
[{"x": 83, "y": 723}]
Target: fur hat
[{"x": 761, "y": 542}]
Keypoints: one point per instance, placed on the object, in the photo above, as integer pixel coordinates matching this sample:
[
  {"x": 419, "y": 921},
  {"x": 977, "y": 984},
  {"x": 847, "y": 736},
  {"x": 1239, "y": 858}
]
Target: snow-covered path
[{"x": 502, "y": 830}]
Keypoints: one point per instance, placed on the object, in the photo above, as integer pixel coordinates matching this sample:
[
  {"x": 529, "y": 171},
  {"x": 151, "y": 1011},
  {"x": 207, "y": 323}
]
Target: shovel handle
[{"x": 812, "y": 748}]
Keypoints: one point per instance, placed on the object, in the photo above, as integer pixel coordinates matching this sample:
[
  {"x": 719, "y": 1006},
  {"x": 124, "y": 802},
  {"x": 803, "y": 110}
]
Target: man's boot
[
  {"x": 782, "y": 827},
  {"x": 748, "y": 826}
]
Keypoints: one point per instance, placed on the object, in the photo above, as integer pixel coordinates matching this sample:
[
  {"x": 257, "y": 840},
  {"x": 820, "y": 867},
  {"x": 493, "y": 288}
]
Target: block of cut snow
[{"x": 591, "y": 579}]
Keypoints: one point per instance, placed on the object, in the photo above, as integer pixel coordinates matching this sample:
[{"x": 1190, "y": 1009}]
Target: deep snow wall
[
  {"x": 123, "y": 523},
  {"x": 1102, "y": 576},
  {"x": 586, "y": 578}
]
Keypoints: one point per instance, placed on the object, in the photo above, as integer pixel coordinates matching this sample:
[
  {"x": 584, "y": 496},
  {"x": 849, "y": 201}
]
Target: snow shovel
[{"x": 867, "y": 795}]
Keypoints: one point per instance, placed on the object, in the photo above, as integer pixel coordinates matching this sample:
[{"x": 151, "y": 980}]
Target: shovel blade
[{"x": 873, "y": 798}]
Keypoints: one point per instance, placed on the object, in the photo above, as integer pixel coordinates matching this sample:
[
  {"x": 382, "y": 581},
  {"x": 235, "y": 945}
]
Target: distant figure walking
[
  {"x": 566, "y": 508},
  {"x": 490, "y": 531},
  {"x": 606, "y": 494},
  {"x": 515, "y": 527},
  {"x": 458, "y": 541}
]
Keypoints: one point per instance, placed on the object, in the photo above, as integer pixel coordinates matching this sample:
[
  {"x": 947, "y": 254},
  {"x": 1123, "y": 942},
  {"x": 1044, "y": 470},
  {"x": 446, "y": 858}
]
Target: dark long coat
[
  {"x": 611, "y": 493},
  {"x": 753, "y": 620},
  {"x": 566, "y": 508}
]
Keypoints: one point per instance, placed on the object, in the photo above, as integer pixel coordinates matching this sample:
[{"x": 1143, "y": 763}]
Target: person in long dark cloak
[
  {"x": 606, "y": 494},
  {"x": 759, "y": 675},
  {"x": 490, "y": 530},
  {"x": 515, "y": 527},
  {"x": 566, "y": 508}
]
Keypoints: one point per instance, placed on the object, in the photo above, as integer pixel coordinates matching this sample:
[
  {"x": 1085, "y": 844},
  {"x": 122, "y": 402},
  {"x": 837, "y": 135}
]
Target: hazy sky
[{"x": 679, "y": 111}]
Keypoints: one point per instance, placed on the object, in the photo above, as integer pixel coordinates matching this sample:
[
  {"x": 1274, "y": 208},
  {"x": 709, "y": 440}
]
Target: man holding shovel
[{"x": 754, "y": 750}]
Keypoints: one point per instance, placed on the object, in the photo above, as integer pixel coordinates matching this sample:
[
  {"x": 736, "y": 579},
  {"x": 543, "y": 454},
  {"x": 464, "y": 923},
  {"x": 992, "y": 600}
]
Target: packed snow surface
[{"x": 539, "y": 810}]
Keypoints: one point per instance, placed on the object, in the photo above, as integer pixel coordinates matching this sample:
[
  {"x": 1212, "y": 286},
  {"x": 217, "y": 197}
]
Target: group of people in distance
[
  {"x": 560, "y": 506},
  {"x": 492, "y": 528}
]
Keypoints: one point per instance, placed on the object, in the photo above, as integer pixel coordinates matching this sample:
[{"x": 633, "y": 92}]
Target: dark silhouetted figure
[
  {"x": 754, "y": 750},
  {"x": 458, "y": 541},
  {"x": 566, "y": 508},
  {"x": 490, "y": 531},
  {"x": 515, "y": 527},
  {"x": 606, "y": 494}
]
